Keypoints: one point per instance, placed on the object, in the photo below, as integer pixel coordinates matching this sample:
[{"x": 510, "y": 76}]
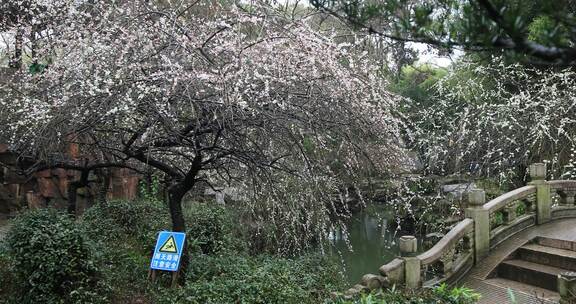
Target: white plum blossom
[
  {"x": 210, "y": 93},
  {"x": 493, "y": 119}
]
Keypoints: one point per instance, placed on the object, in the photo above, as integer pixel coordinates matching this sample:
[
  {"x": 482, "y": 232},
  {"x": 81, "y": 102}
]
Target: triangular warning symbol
[{"x": 169, "y": 245}]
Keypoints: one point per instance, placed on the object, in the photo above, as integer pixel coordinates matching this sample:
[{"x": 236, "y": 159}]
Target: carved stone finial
[
  {"x": 408, "y": 245},
  {"x": 538, "y": 171},
  {"x": 476, "y": 197}
]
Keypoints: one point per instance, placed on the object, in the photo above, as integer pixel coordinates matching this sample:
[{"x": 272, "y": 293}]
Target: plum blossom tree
[
  {"x": 495, "y": 119},
  {"x": 243, "y": 96},
  {"x": 32, "y": 22}
]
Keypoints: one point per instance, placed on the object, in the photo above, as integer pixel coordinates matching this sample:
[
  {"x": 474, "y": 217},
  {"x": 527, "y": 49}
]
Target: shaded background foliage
[{"x": 492, "y": 119}]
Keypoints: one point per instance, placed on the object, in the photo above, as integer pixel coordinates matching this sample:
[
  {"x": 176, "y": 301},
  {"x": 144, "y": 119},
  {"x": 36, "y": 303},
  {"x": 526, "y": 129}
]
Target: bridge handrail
[
  {"x": 393, "y": 269},
  {"x": 506, "y": 198},
  {"x": 447, "y": 242},
  {"x": 541, "y": 204},
  {"x": 562, "y": 184},
  {"x": 563, "y": 193}
]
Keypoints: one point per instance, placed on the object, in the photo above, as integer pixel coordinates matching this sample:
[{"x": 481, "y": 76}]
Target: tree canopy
[
  {"x": 494, "y": 119},
  {"x": 242, "y": 97},
  {"x": 539, "y": 31}
]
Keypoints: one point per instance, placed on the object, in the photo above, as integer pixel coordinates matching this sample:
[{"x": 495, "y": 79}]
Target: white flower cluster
[{"x": 489, "y": 118}]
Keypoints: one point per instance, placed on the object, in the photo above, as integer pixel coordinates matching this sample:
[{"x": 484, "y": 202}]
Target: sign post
[{"x": 167, "y": 254}]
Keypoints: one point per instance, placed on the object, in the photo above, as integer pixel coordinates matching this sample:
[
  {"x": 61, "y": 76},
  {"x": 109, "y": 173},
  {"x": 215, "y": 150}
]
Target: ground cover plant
[
  {"x": 441, "y": 294},
  {"x": 104, "y": 257},
  {"x": 52, "y": 261}
]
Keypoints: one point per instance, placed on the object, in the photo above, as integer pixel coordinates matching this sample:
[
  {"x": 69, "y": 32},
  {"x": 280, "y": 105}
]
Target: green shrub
[
  {"x": 497, "y": 219},
  {"x": 521, "y": 209},
  {"x": 51, "y": 260},
  {"x": 439, "y": 295},
  {"x": 210, "y": 227},
  {"x": 125, "y": 234},
  {"x": 265, "y": 279},
  {"x": 219, "y": 271},
  {"x": 150, "y": 189},
  {"x": 134, "y": 224},
  {"x": 126, "y": 270},
  {"x": 456, "y": 295},
  {"x": 7, "y": 284}
]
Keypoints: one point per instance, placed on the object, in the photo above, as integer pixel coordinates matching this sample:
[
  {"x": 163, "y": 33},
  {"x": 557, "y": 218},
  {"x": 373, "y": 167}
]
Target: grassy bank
[{"x": 103, "y": 257}]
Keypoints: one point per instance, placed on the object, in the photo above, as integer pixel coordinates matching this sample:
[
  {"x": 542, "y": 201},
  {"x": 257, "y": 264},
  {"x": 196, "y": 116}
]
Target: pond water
[{"x": 370, "y": 244}]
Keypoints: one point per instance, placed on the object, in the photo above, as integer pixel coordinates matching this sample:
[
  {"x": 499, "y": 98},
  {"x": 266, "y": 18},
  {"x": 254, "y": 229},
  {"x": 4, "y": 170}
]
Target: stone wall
[{"x": 50, "y": 187}]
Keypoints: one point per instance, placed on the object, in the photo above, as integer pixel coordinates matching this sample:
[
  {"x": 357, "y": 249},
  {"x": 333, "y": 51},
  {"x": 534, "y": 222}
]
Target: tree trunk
[
  {"x": 33, "y": 45},
  {"x": 73, "y": 191},
  {"x": 175, "y": 195},
  {"x": 176, "y": 192},
  {"x": 104, "y": 186},
  {"x": 16, "y": 61},
  {"x": 72, "y": 195},
  {"x": 149, "y": 182}
]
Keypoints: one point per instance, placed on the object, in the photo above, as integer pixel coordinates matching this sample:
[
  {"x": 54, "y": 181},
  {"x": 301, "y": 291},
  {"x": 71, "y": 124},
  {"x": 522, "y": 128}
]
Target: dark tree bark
[
  {"x": 103, "y": 180},
  {"x": 149, "y": 181},
  {"x": 16, "y": 60},
  {"x": 34, "y": 45},
  {"x": 176, "y": 194}
]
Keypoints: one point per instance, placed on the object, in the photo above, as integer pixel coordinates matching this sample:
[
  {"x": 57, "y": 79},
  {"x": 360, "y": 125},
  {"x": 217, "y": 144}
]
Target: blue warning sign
[{"x": 168, "y": 251}]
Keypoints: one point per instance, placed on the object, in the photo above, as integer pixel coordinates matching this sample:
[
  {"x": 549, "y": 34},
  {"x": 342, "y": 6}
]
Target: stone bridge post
[
  {"x": 543, "y": 198},
  {"x": 481, "y": 217},
  {"x": 408, "y": 250},
  {"x": 567, "y": 287}
]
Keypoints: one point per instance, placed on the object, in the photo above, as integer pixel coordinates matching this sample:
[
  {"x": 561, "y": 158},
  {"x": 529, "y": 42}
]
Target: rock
[
  {"x": 47, "y": 188},
  {"x": 356, "y": 289},
  {"x": 34, "y": 200},
  {"x": 457, "y": 191},
  {"x": 221, "y": 193},
  {"x": 373, "y": 281}
]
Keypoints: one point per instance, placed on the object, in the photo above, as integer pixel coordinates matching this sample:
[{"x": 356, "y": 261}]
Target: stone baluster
[
  {"x": 468, "y": 242},
  {"x": 567, "y": 197},
  {"x": 543, "y": 198},
  {"x": 447, "y": 260},
  {"x": 412, "y": 266},
  {"x": 481, "y": 217},
  {"x": 530, "y": 205},
  {"x": 567, "y": 287},
  {"x": 510, "y": 213}
]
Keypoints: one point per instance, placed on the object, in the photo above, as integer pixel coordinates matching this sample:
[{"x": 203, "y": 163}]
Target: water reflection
[{"x": 372, "y": 244}]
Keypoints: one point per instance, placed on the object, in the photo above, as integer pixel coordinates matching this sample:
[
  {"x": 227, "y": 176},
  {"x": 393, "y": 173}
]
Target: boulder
[{"x": 457, "y": 191}]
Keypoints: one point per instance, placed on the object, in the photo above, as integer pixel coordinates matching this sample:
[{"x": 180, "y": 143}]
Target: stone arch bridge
[{"x": 522, "y": 243}]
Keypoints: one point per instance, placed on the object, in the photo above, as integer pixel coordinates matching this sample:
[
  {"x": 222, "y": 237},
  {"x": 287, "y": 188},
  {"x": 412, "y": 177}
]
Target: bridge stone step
[
  {"x": 556, "y": 243},
  {"x": 549, "y": 256},
  {"x": 535, "y": 274}
]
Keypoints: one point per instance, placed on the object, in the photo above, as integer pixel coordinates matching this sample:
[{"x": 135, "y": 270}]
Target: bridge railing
[
  {"x": 563, "y": 195},
  {"x": 451, "y": 257},
  {"x": 510, "y": 213},
  {"x": 486, "y": 225}
]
